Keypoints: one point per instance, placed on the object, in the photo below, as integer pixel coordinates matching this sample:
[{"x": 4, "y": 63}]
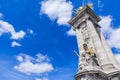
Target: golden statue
[
  {"x": 91, "y": 51},
  {"x": 90, "y": 5}
]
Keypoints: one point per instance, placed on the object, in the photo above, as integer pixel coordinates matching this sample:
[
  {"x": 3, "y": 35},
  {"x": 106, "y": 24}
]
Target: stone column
[
  {"x": 100, "y": 51},
  {"x": 109, "y": 52}
]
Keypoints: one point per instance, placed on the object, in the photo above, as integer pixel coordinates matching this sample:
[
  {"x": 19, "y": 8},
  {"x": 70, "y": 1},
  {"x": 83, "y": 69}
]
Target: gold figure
[
  {"x": 90, "y": 5},
  {"x": 91, "y": 51}
]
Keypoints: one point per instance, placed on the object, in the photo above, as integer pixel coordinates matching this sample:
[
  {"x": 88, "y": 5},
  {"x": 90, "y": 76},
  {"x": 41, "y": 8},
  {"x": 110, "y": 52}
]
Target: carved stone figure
[{"x": 87, "y": 58}]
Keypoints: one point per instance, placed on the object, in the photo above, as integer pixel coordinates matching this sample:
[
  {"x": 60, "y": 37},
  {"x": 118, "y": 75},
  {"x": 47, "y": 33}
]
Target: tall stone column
[{"x": 96, "y": 60}]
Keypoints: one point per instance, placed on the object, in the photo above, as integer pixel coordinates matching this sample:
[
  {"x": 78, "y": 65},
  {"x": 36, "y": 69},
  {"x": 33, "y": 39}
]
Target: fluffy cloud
[
  {"x": 110, "y": 33},
  {"x": 5, "y": 27},
  {"x": 41, "y": 79},
  {"x": 57, "y": 9},
  {"x": 30, "y": 65},
  {"x": 18, "y": 35},
  {"x": 71, "y": 32},
  {"x": 14, "y": 44},
  {"x": 117, "y": 56}
]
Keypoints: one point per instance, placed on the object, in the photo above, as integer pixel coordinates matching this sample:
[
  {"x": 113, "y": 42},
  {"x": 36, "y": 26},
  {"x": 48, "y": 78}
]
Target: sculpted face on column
[{"x": 85, "y": 47}]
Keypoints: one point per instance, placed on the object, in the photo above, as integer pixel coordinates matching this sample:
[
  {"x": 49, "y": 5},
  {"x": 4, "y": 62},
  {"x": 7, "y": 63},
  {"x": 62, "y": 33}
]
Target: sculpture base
[{"x": 97, "y": 75}]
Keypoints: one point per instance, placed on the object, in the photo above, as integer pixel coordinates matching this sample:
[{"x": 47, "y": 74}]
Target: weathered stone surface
[{"x": 96, "y": 60}]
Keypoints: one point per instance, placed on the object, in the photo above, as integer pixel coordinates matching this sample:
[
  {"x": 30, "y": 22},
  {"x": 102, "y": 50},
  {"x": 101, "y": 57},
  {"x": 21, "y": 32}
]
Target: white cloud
[
  {"x": 14, "y": 44},
  {"x": 57, "y": 9},
  {"x": 71, "y": 32},
  {"x": 110, "y": 32},
  {"x": 38, "y": 79},
  {"x": 29, "y": 65},
  {"x": 117, "y": 56},
  {"x": 41, "y": 79},
  {"x": 42, "y": 58},
  {"x": 19, "y": 58},
  {"x": 18, "y": 35},
  {"x": 105, "y": 22},
  {"x": 5, "y": 27}
]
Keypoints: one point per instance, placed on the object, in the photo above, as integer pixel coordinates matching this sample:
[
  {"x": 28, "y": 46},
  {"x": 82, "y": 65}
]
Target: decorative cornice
[{"x": 81, "y": 13}]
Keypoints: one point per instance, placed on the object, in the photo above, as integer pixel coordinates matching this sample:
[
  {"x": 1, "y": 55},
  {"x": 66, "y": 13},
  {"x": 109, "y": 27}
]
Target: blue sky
[{"x": 36, "y": 43}]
